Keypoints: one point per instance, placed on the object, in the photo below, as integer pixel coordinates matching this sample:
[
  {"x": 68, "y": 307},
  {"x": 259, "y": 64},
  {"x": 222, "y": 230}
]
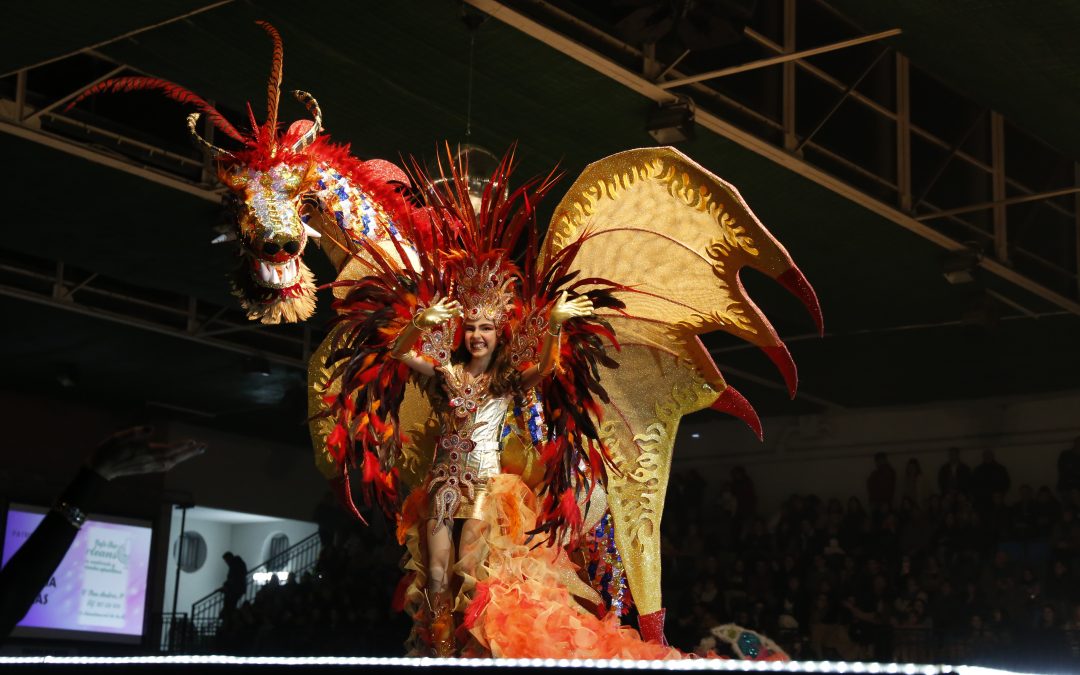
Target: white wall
[
  {"x": 835, "y": 449},
  {"x": 210, "y": 577},
  {"x": 247, "y": 540},
  {"x": 251, "y": 541}
]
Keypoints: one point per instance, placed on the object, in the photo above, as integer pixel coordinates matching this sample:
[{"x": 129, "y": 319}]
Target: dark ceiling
[{"x": 392, "y": 79}]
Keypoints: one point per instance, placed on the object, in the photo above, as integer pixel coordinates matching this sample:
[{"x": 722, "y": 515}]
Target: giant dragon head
[
  {"x": 268, "y": 181},
  {"x": 271, "y": 177}
]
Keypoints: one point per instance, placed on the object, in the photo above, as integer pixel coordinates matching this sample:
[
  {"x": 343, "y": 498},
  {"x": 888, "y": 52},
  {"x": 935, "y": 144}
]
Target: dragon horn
[
  {"x": 313, "y": 107},
  {"x": 211, "y": 149}
]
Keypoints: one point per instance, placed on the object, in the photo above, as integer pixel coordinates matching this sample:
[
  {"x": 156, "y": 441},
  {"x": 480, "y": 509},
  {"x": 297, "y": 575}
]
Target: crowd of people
[{"x": 961, "y": 567}]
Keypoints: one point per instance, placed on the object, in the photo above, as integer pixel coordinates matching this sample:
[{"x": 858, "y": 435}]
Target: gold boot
[{"x": 441, "y": 615}]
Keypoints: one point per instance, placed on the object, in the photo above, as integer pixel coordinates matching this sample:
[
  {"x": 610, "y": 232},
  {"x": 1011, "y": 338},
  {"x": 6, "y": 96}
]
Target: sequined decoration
[
  {"x": 528, "y": 415},
  {"x": 270, "y": 196},
  {"x": 438, "y": 344},
  {"x": 749, "y": 645},
  {"x": 451, "y": 478},
  {"x": 527, "y": 340},
  {"x": 484, "y": 291},
  {"x": 358, "y": 216},
  {"x": 466, "y": 392},
  {"x": 605, "y": 567}
]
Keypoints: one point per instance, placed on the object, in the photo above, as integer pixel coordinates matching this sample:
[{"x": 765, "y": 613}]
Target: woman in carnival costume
[
  {"x": 472, "y": 395},
  {"x": 526, "y": 370},
  {"x": 480, "y": 338}
]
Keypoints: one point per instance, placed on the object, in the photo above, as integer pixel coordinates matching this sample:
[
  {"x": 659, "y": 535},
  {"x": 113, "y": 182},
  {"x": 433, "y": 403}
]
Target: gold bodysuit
[{"x": 467, "y": 453}]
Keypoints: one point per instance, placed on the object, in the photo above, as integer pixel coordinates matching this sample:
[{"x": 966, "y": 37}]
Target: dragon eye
[
  {"x": 292, "y": 247},
  {"x": 270, "y": 248}
]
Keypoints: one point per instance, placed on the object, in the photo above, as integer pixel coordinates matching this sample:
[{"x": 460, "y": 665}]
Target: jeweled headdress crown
[{"x": 485, "y": 290}]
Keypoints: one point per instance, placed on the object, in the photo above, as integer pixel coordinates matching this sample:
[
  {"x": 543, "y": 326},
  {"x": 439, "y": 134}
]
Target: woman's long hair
[{"x": 502, "y": 379}]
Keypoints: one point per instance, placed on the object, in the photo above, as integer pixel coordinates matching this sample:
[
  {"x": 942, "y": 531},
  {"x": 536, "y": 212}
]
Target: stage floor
[{"x": 234, "y": 664}]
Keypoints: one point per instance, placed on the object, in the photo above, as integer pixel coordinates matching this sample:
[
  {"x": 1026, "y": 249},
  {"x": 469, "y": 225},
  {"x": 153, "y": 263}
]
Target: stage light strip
[{"x": 728, "y": 665}]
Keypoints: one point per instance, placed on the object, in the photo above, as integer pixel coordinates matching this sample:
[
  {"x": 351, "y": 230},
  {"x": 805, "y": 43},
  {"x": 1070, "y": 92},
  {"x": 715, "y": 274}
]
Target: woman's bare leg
[
  {"x": 439, "y": 546},
  {"x": 440, "y": 610},
  {"x": 472, "y": 532}
]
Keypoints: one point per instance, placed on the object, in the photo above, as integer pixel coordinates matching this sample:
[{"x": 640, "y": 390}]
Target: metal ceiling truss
[
  {"x": 34, "y": 117},
  {"x": 1056, "y": 281},
  {"x": 54, "y": 284}
]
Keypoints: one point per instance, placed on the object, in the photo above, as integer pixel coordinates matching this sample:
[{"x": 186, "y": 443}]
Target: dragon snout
[
  {"x": 276, "y": 275},
  {"x": 273, "y": 249}
]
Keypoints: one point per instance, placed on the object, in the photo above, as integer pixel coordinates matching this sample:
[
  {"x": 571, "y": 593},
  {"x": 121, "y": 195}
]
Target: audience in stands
[
  {"x": 971, "y": 574},
  {"x": 968, "y": 574}
]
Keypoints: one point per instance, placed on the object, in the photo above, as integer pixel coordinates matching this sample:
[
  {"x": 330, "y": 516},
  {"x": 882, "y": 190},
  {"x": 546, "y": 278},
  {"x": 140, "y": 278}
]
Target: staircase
[{"x": 300, "y": 558}]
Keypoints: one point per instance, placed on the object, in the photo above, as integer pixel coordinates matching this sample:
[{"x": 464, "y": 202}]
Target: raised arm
[
  {"x": 440, "y": 312},
  {"x": 549, "y": 354}
]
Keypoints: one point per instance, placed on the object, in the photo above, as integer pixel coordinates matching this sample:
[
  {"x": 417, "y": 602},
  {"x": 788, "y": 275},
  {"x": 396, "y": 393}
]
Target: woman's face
[{"x": 480, "y": 337}]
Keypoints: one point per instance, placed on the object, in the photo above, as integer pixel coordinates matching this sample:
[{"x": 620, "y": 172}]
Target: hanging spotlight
[
  {"x": 477, "y": 163},
  {"x": 671, "y": 122},
  {"x": 959, "y": 267}
]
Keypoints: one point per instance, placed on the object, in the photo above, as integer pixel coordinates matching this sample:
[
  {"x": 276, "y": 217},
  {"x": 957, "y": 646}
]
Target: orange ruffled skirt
[{"x": 518, "y": 602}]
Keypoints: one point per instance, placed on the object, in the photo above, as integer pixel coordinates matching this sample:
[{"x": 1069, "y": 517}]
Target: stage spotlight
[
  {"x": 959, "y": 266},
  {"x": 671, "y": 123}
]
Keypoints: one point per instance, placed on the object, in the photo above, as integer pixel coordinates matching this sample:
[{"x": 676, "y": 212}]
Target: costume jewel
[{"x": 484, "y": 290}]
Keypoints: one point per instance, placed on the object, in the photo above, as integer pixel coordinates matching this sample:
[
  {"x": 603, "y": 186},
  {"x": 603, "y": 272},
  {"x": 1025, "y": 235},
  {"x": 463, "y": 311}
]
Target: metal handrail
[{"x": 303, "y": 555}]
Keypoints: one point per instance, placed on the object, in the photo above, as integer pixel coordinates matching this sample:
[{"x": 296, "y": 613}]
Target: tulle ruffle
[{"x": 519, "y": 602}]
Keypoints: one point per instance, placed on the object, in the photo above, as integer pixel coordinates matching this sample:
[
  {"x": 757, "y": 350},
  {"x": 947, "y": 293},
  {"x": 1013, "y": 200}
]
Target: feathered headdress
[{"x": 467, "y": 255}]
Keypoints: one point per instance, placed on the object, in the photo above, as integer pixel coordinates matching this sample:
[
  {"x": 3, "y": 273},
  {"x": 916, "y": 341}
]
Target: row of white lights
[
  {"x": 265, "y": 577},
  {"x": 688, "y": 664}
]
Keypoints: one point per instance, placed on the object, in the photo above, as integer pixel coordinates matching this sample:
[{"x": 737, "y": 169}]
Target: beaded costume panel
[{"x": 467, "y": 451}]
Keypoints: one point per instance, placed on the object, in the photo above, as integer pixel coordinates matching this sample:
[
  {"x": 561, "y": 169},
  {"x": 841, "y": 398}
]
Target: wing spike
[
  {"x": 796, "y": 284},
  {"x": 734, "y": 403},
  {"x": 781, "y": 358}
]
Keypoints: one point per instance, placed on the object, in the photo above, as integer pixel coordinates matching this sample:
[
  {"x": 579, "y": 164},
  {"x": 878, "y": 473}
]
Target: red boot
[{"x": 652, "y": 627}]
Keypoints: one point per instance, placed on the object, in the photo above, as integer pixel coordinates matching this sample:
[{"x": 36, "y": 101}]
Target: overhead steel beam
[
  {"x": 1000, "y": 203},
  {"x": 130, "y": 310},
  {"x": 61, "y": 101},
  {"x": 997, "y": 182},
  {"x": 712, "y": 122},
  {"x": 903, "y": 132},
  {"x": 890, "y": 115},
  {"x": 944, "y": 163},
  {"x": 128, "y": 34},
  {"x": 775, "y": 60},
  {"x": 787, "y": 77},
  {"x": 843, "y": 97},
  {"x": 89, "y": 153},
  {"x": 1076, "y": 224}
]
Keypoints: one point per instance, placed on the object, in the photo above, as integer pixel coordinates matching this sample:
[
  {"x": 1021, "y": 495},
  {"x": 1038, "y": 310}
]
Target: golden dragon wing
[{"x": 657, "y": 222}]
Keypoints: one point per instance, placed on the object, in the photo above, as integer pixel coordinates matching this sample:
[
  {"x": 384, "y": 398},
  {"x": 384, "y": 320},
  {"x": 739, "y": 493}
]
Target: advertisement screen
[{"x": 98, "y": 591}]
